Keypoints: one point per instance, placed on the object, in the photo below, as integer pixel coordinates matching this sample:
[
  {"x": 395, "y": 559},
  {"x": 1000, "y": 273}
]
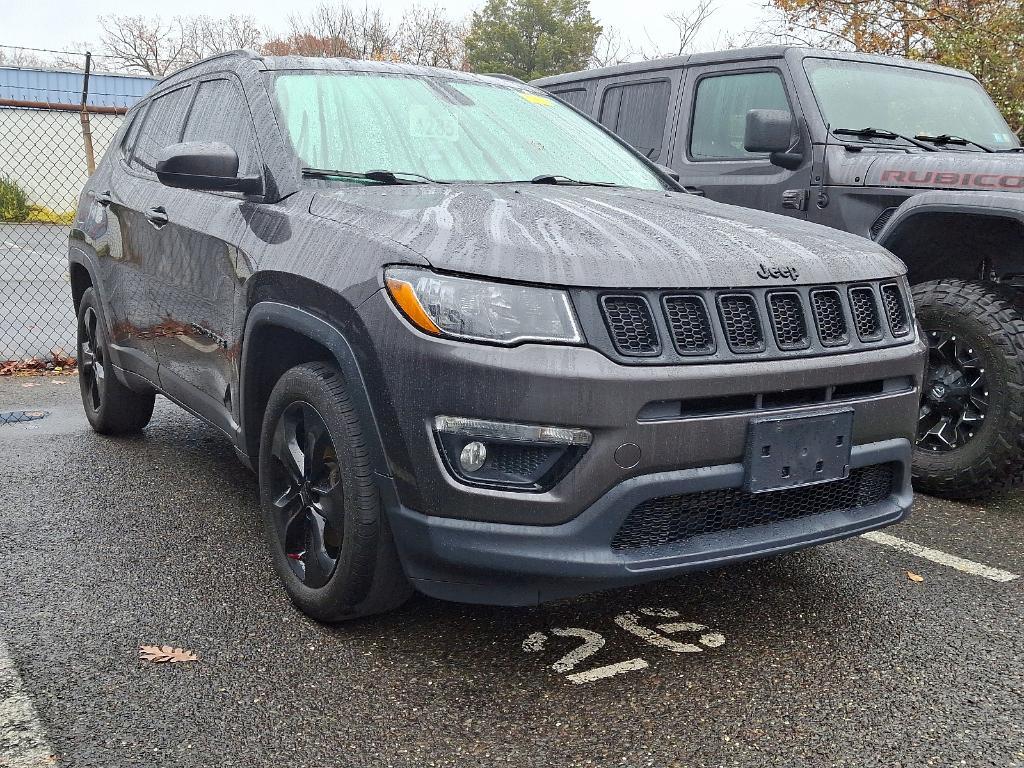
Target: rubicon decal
[{"x": 953, "y": 180}]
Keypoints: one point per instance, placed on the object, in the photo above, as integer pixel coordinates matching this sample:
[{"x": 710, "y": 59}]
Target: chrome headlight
[{"x": 482, "y": 310}]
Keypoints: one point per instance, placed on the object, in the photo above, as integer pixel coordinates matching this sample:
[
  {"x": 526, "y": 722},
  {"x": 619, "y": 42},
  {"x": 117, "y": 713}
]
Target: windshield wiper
[
  {"x": 881, "y": 133},
  {"x": 380, "y": 176},
  {"x": 947, "y": 138},
  {"x": 555, "y": 178}
]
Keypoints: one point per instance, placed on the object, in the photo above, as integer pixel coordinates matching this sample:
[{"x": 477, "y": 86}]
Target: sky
[{"x": 61, "y": 23}]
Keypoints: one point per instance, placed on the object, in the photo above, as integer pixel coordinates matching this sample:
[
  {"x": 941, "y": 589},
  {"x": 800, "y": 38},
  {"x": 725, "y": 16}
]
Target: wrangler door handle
[
  {"x": 695, "y": 191},
  {"x": 157, "y": 216},
  {"x": 104, "y": 198}
]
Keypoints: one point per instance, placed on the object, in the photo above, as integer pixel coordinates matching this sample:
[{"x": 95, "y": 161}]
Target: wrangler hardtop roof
[
  {"x": 793, "y": 53},
  {"x": 237, "y": 60}
]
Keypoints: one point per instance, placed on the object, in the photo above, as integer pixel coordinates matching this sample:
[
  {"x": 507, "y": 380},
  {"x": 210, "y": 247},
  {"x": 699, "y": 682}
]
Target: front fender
[{"x": 956, "y": 234}]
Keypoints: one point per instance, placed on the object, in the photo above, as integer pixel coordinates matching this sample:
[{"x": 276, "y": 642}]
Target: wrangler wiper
[
  {"x": 380, "y": 176},
  {"x": 944, "y": 139},
  {"x": 881, "y": 133},
  {"x": 555, "y": 178}
]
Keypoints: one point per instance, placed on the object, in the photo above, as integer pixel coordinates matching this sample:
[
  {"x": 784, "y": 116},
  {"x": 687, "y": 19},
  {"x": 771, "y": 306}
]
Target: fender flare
[
  {"x": 329, "y": 336},
  {"x": 1001, "y": 205}
]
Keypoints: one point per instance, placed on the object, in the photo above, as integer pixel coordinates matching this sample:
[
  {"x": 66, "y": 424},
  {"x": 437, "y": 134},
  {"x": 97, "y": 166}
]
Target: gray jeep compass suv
[{"x": 476, "y": 345}]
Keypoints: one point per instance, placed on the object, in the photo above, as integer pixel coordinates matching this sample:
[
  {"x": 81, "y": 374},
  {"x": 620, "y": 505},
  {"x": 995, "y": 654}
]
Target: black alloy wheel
[
  {"x": 954, "y": 397},
  {"x": 308, "y": 494},
  {"x": 91, "y": 359}
]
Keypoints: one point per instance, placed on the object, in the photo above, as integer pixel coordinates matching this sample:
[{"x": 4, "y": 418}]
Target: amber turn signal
[{"x": 405, "y": 297}]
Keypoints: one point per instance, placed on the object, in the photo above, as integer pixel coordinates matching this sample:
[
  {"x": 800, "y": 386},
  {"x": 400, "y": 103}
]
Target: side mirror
[
  {"x": 672, "y": 174},
  {"x": 206, "y": 165},
  {"x": 771, "y": 130}
]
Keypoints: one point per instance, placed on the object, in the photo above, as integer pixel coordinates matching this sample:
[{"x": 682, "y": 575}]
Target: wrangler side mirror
[
  {"x": 206, "y": 165},
  {"x": 771, "y": 130}
]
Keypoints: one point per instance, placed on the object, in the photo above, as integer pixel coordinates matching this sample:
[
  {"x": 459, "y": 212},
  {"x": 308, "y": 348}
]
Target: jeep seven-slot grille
[
  {"x": 866, "y": 319},
  {"x": 689, "y": 324},
  {"x": 631, "y": 325},
  {"x": 741, "y": 323},
  {"x": 828, "y": 316},
  {"x": 788, "y": 320},
  {"x": 895, "y": 309},
  {"x": 668, "y": 520},
  {"x": 727, "y": 325}
]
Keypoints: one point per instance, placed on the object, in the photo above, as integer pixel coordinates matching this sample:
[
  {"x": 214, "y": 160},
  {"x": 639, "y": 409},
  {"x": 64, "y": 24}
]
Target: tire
[
  {"x": 110, "y": 406},
  {"x": 978, "y": 326},
  {"x": 328, "y": 534}
]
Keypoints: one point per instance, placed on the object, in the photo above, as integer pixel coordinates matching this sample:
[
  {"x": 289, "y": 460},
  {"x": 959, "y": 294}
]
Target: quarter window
[
  {"x": 720, "y": 112},
  {"x": 162, "y": 127},
  {"x": 637, "y": 113},
  {"x": 220, "y": 114}
]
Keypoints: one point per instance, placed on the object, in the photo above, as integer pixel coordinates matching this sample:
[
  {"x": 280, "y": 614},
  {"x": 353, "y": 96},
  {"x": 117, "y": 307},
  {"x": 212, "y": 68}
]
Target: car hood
[
  {"x": 930, "y": 170},
  {"x": 601, "y": 237}
]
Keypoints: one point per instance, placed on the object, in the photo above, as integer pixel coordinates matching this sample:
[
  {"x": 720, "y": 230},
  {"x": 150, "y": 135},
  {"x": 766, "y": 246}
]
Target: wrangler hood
[
  {"x": 979, "y": 171},
  {"x": 601, "y": 237}
]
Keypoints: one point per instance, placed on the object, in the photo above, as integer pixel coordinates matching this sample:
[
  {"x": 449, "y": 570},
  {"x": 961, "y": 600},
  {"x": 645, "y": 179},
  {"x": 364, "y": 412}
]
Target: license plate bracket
[{"x": 794, "y": 451}]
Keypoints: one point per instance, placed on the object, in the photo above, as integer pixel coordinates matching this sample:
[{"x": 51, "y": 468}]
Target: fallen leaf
[
  {"x": 162, "y": 654},
  {"x": 915, "y": 577}
]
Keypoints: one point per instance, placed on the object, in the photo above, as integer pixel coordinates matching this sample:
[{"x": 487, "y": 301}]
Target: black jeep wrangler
[
  {"x": 912, "y": 156},
  {"x": 475, "y": 344}
]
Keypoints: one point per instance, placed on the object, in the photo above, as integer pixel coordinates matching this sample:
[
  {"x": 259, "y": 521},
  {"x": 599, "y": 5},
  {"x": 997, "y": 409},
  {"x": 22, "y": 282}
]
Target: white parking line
[
  {"x": 22, "y": 740},
  {"x": 942, "y": 558}
]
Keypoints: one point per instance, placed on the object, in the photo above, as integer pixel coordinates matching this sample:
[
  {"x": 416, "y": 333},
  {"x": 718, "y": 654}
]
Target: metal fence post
[{"x": 90, "y": 157}]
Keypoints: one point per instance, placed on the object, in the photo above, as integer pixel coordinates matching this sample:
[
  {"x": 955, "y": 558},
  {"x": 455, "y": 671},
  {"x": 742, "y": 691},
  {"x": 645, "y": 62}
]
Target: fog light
[{"x": 473, "y": 456}]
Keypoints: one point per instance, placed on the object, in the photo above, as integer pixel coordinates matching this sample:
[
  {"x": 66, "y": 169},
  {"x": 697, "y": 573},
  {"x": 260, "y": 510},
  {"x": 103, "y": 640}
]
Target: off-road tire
[
  {"x": 368, "y": 578},
  {"x": 993, "y": 460},
  {"x": 110, "y": 406}
]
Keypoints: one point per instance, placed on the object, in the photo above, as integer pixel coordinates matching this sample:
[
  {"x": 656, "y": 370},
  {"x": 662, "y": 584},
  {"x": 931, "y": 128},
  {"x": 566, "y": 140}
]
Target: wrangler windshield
[
  {"x": 912, "y": 102},
  {"x": 446, "y": 130}
]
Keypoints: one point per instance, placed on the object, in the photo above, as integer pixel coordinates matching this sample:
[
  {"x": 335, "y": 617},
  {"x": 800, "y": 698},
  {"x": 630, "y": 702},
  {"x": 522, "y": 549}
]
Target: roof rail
[{"x": 240, "y": 53}]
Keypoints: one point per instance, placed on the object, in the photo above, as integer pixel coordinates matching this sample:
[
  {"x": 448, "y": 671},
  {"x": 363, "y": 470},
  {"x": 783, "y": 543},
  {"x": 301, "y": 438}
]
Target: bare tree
[
  {"x": 611, "y": 48},
  {"x": 204, "y": 36},
  {"x": 141, "y": 44},
  {"x": 427, "y": 36},
  {"x": 688, "y": 26},
  {"x": 337, "y": 30},
  {"x": 19, "y": 57}
]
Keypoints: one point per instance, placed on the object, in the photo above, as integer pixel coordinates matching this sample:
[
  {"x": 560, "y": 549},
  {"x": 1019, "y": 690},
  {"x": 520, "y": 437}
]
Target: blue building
[{"x": 40, "y": 87}]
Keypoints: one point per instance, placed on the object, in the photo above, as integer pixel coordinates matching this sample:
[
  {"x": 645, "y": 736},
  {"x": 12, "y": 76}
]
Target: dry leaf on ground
[
  {"x": 915, "y": 577},
  {"x": 162, "y": 654}
]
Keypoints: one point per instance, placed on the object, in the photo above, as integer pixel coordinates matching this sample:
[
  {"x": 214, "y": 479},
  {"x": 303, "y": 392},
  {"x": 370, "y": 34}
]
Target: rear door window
[
  {"x": 221, "y": 114},
  {"x": 637, "y": 113},
  {"x": 574, "y": 97},
  {"x": 720, "y": 112},
  {"x": 162, "y": 127}
]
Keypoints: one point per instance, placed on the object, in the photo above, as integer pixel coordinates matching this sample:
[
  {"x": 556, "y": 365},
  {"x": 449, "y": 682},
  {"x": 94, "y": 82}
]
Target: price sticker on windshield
[{"x": 533, "y": 98}]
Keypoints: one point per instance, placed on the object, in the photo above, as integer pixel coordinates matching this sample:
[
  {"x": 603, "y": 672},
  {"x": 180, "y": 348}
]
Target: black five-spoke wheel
[
  {"x": 954, "y": 398},
  {"x": 91, "y": 365},
  {"x": 308, "y": 494}
]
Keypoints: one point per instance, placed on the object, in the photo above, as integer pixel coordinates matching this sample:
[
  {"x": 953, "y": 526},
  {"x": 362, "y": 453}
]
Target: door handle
[
  {"x": 157, "y": 216},
  {"x": 104, "y": 198},
  {"x": 694, "y": 191}
]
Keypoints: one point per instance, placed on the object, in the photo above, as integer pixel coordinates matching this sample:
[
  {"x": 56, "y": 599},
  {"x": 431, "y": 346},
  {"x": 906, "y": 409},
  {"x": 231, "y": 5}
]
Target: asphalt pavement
[{"x": 828, "y": 657}]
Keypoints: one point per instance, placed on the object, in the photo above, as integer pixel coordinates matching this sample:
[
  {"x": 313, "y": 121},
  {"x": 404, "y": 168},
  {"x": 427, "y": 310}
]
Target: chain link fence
[{"x": 52, "y": 133}]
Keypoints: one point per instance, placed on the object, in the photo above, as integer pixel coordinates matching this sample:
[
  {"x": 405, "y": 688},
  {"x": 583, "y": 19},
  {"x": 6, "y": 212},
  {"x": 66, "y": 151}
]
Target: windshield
[
  {"x": 446, "y": 130},
  {"x": 912, "y": 102}
]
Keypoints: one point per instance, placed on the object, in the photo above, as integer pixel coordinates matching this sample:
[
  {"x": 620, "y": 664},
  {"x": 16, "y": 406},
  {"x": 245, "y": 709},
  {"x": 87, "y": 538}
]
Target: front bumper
[{"x": 503, "y": 564}]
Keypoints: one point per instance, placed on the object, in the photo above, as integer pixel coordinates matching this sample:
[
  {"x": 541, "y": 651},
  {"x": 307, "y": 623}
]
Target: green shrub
[{"x": 13, "y": 201}]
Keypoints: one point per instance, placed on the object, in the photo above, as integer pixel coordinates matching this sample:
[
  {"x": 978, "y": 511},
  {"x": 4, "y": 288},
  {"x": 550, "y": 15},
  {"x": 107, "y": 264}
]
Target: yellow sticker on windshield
[{"x": 535, "y": 99}]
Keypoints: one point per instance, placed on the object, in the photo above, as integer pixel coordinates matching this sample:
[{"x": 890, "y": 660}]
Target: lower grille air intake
[{"x": 673, "y": 519}]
